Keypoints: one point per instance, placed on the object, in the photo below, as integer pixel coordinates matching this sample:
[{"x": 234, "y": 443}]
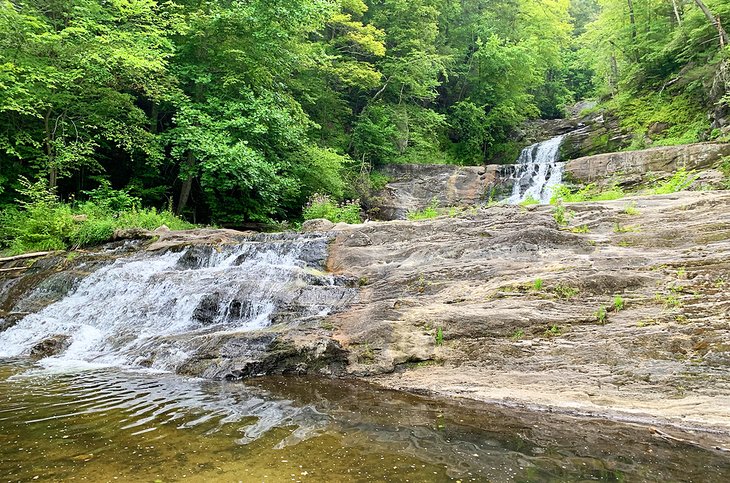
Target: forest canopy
[{"x": 233, "y": 112}]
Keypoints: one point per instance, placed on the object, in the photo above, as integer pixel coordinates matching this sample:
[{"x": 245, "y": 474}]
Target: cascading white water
[
  {"x": 134, "y": 306},
  {"x": 537, "y": 172}
]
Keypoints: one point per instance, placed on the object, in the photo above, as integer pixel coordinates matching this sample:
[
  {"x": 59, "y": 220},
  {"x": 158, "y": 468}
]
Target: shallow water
[{"x": 111, "y": 425}]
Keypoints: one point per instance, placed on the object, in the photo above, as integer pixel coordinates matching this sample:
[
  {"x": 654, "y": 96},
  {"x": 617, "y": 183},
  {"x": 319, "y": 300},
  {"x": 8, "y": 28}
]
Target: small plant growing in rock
[
  {"x": 561, "y": 215},
  {"x": 553, "y": 331},
  {"x": 530, "y": 201},
  {"x": 581, "y": 229},
  {"x": 631, "y": 209},
  {"x": 537, "y": 285},
  {"x": 518, "y": 335},
  {"x": 602, "y": 315},
  {"x": 439, "y": 336},
  {"x": 618, "y": 303},
  {"x": 618, "y": 228},
  {"x": 367, "y": 354},
  {"x": 362, "y": 281},
  {"x": 421, "y": 284},
  {"x": 680, "y": 181},
  {"x": 564, "y": 291},
  {"x": 725, "y": 168},
  {"x": 682, "y": 273},
  {"x": 671, "y": 301},
  {"x": 430, "y": 212}
]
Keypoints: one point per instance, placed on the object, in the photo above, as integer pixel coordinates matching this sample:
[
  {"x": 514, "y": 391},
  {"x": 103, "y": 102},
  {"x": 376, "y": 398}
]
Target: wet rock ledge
[{"x": 623, "y": 312}]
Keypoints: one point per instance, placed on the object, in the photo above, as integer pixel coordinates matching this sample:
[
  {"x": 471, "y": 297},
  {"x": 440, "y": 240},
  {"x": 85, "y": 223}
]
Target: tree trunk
[
  {"x": 52, "y": 170},
  {"x": 613, "y": 80},
  {"x": 632, "y": 18},
  {"x": 676, "y": 12},
  {"x": 187, "y": 185},
  {"x": 715, "y": 21},
  {"x": 154, "y": 115}
]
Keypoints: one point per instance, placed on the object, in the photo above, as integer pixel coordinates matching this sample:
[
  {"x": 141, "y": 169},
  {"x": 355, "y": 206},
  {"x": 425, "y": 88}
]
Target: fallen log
[
  {"x": 25, "y": 256},
  {"x": 14, "y": 269}
]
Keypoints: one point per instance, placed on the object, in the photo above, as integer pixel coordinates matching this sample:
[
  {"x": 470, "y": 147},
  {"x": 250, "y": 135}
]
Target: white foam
[
  {"x": 137, "y": 305},
  {"x": 537, "y": 172}
]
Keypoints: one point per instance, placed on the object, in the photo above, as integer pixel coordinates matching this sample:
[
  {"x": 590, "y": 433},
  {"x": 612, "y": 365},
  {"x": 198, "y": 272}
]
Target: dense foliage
[
  {"x": 239, "y": 111},
  {"x": 663, "y": 66}
]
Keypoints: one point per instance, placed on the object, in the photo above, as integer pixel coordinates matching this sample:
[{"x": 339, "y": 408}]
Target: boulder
[
  {"x": 132, "y": 234},
  {"x": 666, "y": 159},
  {"x": 50, "y": 347},
  {"x": 319, "y": 224},
  {"x": 416, "y": 186}
]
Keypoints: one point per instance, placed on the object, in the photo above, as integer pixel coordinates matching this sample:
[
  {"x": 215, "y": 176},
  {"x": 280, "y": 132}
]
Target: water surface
[{"x": 112, "y": 425}]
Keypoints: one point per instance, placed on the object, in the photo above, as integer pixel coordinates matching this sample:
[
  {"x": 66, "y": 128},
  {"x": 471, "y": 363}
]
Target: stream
[
  {"x": 116, "y": 425},
  {"x": 90, "y": 386}
]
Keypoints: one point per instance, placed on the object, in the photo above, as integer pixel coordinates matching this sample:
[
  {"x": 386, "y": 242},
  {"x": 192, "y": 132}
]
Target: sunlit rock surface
[{"x": 622, "y": 312}]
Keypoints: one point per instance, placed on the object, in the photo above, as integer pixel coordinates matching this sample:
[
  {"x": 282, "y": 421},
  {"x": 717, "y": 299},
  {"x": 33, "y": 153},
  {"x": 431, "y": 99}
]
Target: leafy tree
[{"x": 71, "y": 74}]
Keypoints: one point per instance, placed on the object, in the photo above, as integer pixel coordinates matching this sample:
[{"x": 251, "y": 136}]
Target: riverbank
[{"x": 617, "y": 309}]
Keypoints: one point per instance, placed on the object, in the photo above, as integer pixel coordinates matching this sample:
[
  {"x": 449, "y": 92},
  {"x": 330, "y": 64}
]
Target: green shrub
[
  {"x": 602, "y": 315},
  {"x": 378, "y": 180},
  {"x": 530, "y": 201},
  {"x": 681, "y": 180},
  {"x": 561, "y": 215},
  {"x": 41, "y": 222},
  {"x": 431, "y": 211},
  {"x": 618, "y": 303},
  {"x": 537, "y": 285},
  {"x": 321, "y": 206},
  {"x": 562, "y": 193}
]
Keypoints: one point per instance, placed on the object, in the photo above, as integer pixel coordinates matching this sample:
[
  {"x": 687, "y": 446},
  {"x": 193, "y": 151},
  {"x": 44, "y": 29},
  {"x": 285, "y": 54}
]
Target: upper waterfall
[
  {"x": 537, "y": 171},
  {"x": 148, "y": 309}
]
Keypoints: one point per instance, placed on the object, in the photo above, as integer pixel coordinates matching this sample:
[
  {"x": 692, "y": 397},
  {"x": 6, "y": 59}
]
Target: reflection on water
[{"x": 109, "y": 425}]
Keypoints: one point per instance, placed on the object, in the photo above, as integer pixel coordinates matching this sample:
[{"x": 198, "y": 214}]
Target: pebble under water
[{"x": 114, "y": 425}]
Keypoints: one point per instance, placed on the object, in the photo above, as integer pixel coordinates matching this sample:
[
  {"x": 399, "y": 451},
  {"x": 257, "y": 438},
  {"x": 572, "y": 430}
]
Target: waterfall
[
  {"x": 537, "y": 171},
  {"x": 157, "y": 303}
]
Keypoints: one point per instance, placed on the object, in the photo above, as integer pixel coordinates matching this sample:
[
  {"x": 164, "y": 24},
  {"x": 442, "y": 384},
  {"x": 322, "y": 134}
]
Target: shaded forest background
[{"x": 238, "y": 112}]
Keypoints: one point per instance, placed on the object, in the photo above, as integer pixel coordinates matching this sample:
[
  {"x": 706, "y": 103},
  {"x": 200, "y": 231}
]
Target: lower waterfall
[{"x": 157, "y": 303}]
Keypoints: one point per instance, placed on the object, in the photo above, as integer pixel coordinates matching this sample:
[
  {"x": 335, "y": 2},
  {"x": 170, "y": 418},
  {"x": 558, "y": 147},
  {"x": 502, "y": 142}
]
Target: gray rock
[
  {"x": 317, "y": 225},
  {"x": 132, "y": 234},
  {"x": 666, "y": 159},
  {"x": 50, "y": 347},
  {"x": 415, "y": 186}
]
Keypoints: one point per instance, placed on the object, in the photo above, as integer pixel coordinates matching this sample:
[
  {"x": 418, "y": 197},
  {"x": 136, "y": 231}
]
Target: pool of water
[{"x": 112, "y": 425}]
